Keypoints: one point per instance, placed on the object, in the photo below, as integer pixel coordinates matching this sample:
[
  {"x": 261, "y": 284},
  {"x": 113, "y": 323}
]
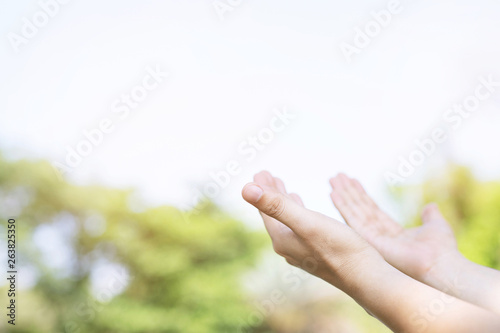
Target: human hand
[
  {"x": 415, "y": 251},
  {"x": 320, "y": 245}
]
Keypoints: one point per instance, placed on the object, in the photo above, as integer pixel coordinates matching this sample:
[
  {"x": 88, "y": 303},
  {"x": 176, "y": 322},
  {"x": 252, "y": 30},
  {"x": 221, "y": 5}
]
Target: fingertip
[
  {"x": 252, "y": 193},
  {"x": 343, "y": 181},
  {"x": 331, "y": 181},
  {"x": 430, "y": 212},
  {"x": 264, "y": 177},
  {"x": 340, "y": 185},
  {"x": 429, "y": 208}
]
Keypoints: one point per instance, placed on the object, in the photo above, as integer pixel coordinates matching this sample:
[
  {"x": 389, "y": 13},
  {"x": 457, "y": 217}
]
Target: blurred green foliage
[
  {"x": 181, "y": 274},
  {"x": 473, "y": 209}
]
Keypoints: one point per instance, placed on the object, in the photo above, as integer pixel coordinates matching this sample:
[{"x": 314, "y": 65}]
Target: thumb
[
  {"x": 432, "y": 214},
  {"x": 280, "y": 206}
]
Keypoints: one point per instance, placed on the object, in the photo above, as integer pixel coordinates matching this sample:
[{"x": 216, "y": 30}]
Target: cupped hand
[
  {"x": 415, "y": 251},
  {"x": 318, "y": 244}
]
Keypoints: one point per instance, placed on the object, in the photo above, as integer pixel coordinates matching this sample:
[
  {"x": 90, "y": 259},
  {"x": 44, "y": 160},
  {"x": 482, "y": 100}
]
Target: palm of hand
[
  {"x": 306, "y": 239},
  {"x": 413, "y": 251},
  {"x": 417, "y": 250}
]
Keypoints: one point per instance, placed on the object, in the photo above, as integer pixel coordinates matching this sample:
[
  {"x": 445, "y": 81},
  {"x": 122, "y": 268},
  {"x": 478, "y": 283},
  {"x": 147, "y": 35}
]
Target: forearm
[
  {"x": 406, "y": 305},
  {"x": 344, "y": 259},
  {"x": 466, "y": 280}
]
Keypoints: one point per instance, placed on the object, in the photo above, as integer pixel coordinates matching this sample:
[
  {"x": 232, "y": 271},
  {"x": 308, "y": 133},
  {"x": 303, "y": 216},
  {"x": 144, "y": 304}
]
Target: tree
[{"x": 169, "y": 273}]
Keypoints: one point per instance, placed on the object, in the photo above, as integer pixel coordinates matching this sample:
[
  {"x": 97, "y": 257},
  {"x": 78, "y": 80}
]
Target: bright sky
[{"x": 227, "y": 76}]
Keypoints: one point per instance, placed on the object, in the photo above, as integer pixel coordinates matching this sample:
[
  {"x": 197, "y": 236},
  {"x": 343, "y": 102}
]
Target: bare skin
[
  {"x": 334, "y": 252},
  {"x": 427, "y": 253}
]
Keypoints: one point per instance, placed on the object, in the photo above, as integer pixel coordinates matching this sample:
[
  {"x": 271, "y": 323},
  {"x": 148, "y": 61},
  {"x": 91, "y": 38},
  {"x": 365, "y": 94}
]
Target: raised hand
[
  {"x": 339, "y": 255},
  {"x": 307, "y": 239},
  {"x": 414, "y": 251}
]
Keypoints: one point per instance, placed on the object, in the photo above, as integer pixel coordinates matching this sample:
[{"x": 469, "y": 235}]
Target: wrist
[
  {"x": 350, "y": 274},
  {"x": 445, "y": 272}
]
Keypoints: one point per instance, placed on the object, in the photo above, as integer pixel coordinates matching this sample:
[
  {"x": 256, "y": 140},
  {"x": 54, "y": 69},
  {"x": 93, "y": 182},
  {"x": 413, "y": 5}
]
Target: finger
[
  {"x": 282, "y": 208},
  {"x": 342, "y": 201},
  {"x": 354, "y": 197},
  {"x": 345, "y": 210},
  {"x": 359, "y": 209},
  {"x": 340, "y": 185},
  {"x": 432, "y": 214},
  {"x": 251, "y": 193},
  {"x": 295, "y": 197},
  {"x": 280, "y": 185},
  {"x": 373, "y": 212},
  {"x": 273, "y": 227},
  {"x": 364, "y": 197},
  {"x": 264, "y": 178}
]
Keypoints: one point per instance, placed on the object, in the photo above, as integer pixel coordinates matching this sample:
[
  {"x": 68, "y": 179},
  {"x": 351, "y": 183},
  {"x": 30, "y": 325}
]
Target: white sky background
[{"x": 227, "y": 76}]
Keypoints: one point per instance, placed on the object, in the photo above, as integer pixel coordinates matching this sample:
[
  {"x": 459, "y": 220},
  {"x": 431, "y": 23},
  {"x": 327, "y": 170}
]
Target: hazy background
[{"x": 226, "y": 76}]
